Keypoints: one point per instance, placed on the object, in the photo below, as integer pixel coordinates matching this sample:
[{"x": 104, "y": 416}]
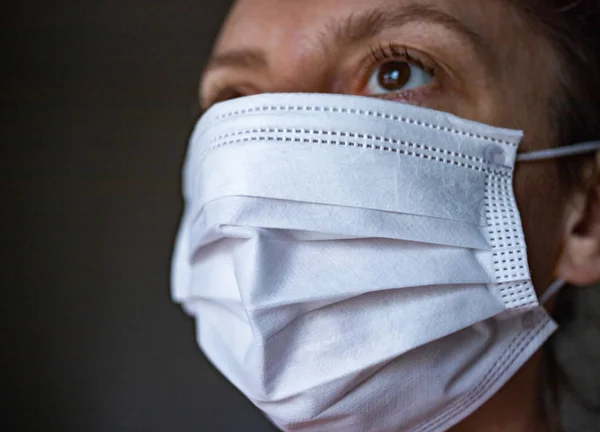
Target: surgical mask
[{"x": 354, "y": 264}]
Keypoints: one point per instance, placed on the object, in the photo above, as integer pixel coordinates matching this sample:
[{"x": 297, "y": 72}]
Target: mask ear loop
[
  {"x": 559, "y": 152},
  {"x": 554, "y": 153},
  {"x": 551, "y": 403},
  {"x": 552, "y": 290}
]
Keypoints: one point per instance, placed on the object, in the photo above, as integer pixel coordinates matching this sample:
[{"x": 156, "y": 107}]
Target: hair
[{"x": 573, "y": 29}]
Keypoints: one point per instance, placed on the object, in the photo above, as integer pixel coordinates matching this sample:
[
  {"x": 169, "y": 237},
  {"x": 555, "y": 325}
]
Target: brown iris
[{"x": 394, "y": 75}]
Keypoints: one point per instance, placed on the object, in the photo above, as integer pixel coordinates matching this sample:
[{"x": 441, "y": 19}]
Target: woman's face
[{"x": 477, "y": 59}]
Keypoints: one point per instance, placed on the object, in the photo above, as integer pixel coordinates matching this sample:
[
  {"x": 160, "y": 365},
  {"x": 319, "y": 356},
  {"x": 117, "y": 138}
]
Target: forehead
[{"x": 277, "y": 22}]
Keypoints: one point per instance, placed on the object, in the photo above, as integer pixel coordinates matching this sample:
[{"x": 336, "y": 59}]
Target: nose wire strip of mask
[{"x": 560, "y": 152}]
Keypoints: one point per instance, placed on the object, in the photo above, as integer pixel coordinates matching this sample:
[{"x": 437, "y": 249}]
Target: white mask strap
[
  {"x": 558, "y": 152},
  {"x": 552, "y": 290},
  {"x": 554, "y": 153}
]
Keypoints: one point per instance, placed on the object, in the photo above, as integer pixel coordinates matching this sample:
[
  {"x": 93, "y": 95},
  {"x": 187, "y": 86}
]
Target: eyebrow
[
  {"x": 365, "y": 25},
  {"x": 241, "y": 59},
  {"x": 354, "y": 29}
]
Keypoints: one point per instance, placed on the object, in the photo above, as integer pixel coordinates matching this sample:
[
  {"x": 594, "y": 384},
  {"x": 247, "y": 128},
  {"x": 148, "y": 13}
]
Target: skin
[{"x": 491, "y": 66}]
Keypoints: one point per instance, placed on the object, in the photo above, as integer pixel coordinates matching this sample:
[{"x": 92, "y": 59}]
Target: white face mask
[{"x": 357, "y": 265}]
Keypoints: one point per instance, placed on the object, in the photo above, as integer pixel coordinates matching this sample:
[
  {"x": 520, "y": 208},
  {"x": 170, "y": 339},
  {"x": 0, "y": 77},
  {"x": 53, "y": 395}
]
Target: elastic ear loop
[
  {"x": 559, "y": 152},
  {"x": 554, "y": 153},
  {"x": 552, "y": 290},
  {"x": 559, "y": 284}
]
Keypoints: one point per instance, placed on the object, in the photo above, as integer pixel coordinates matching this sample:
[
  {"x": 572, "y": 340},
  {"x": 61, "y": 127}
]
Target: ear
[{"x": 579, "y": 261}]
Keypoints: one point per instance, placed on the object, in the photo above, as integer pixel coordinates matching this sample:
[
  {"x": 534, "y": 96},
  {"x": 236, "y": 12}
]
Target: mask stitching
[
  {"x": 505, "y": 253},
  {"x": 508, "y": 199},
  {"x": 510, "y": 355},
  {"x": 370, "y": 113},
  {"x": 507, "y": 264},
  {"x": 499, "y": 237},
  {"x": 514, "y": 350},
  {"x": 351, "y": 135},
  {"x": 508, "y": 276},
  {"x": 521, "y": 295},
  {"x": 502, "y": 216},
  {"x": 512, "y": 290},
  {"x": 498, "y": 202},
  {"x": 502, "y": 233},
  {"x": 501, "y": 230},
  {"x": 507, "y": 261},
  {"x": 489, "y": 171},
  {"x": 504, "y": 267},
  {"x": 515, "y": 295}
]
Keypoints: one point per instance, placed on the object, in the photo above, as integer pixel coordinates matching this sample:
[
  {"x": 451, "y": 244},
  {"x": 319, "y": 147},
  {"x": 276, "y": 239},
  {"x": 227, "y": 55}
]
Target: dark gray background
[{"x": 98, "y": 100}]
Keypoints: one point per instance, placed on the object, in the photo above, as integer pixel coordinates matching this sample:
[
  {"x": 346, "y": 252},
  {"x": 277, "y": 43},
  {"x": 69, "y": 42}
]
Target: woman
[{"x": 314, "y": 363}]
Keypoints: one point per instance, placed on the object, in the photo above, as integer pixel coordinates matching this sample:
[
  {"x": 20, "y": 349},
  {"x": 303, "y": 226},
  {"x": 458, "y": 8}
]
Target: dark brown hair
[{"x": 573, "y": 29}]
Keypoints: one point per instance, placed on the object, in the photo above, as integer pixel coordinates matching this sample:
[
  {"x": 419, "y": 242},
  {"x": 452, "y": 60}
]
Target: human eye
[{"x": 395, "y": 71}]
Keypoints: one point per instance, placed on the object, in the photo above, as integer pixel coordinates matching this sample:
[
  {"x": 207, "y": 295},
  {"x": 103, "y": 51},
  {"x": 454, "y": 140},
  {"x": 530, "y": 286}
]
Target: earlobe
[{"x": 579, "y": 262}]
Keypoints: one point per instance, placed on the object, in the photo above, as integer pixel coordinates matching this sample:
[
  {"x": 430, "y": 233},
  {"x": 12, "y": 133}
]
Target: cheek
[{"x": 540, "y": 198}]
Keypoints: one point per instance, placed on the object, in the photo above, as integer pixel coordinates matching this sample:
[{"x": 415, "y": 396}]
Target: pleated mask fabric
[{"x": 355, "y": 264}]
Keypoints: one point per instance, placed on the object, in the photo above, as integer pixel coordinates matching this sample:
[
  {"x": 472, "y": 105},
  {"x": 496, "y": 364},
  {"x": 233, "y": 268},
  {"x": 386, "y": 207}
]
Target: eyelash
[
  {"x": 379, "y": 54},
  {"x": 394, "y": 52}
]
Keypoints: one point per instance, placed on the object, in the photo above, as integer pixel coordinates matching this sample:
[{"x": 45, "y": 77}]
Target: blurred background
[{"x": 99, "y": 98}]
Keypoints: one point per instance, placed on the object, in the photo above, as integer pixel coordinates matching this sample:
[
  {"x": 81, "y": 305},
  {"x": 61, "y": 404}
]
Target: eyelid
[
  {"x": 381, "y": 53},
  {"x": 395, "y": 52},
  {"x": 221, "y": 87}
]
